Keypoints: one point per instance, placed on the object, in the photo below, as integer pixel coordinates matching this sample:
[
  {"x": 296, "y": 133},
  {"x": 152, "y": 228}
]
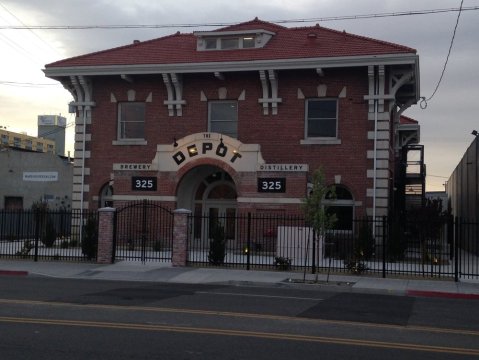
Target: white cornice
[{"x": 255, "y": 65}]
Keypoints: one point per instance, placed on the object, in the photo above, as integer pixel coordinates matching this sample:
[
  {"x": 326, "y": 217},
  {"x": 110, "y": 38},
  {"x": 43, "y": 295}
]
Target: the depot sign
[
  {"x": 242, "y": 157},
  {"x": 207, "y": 148}
]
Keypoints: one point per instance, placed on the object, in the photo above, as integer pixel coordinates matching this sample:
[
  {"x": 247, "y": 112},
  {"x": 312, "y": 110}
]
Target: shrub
[
  {"x": 396, "y": 244},
  {"x": 157, "y": 245},
  {"x": 355, "y": 266},
  {"x": 364, "y": 247},
  {"x": 217, "y": 251},
  {"x": 65, "y": 244},
  {"x": 89, "y": 244},
  {"x": 282, "y": 263},
  {"x": 49, "y": 235},
  {"x": 27, "y": 246}
]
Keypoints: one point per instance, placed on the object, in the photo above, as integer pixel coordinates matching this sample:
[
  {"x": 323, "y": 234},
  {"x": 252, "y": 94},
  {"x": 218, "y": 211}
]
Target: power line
[
  {"x": 437, "y": 176},
  {"x": 25, "y": 84},
  {"x": 280, "y": 21},
  {"x": 423, "y": 103},
  {"x": 31, "y": 30}
]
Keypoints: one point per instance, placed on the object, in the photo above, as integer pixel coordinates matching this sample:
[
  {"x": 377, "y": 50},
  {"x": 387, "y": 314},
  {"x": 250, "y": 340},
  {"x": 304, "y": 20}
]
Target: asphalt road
[{"x": 44, "y": 318}]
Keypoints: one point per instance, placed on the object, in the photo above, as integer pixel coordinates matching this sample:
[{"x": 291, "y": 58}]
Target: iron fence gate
[
  {"x": 143, "y": 232},
  {"x": 447, "y": 248}
]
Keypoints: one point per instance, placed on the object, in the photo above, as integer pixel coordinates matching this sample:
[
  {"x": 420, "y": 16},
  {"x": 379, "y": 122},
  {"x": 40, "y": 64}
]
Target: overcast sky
[{"x": 446, "y": 123}]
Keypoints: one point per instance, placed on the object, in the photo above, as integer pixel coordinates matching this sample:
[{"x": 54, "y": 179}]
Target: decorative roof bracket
[
  {"x": 269, "y": 83},
  {"x": 174, "y": 89}
]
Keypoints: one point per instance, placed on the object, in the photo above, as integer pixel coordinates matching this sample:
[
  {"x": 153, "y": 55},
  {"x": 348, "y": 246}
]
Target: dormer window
[
  {"x": 230, "y": 40},
  {"x": 229, "y": 43},
  {"x": 210, "y": 44},
  {"x": 248, "y": 42}
]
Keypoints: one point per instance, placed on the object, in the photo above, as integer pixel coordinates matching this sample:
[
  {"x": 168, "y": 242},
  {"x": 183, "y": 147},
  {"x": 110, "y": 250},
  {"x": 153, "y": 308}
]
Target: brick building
[{"x": 237, "y": 119}]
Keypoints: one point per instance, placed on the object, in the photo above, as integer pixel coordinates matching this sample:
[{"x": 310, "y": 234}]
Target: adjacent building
[
  {"x": 24, "y": 141},
  {"x": 462, "y": 187},
  {"x": 52, "y": 127},
  {"x": 28, "y": 177},
  {"x": 237, "y": 119}
]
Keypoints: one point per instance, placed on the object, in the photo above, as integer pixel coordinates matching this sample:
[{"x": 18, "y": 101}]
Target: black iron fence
[
  {"x": 410, "y": 248},
  {"x": 43, "y": 234},
  {"x": 144, "y": 231}
]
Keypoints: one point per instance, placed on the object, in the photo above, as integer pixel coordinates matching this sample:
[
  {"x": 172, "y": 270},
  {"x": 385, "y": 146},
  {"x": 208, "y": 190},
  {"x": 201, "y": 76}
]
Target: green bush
[
  {"x": 364, "y": 246},
  {"x": 89, "y": 244},
  {"x": 282, "y": 263},
  {"x": 396, "y": 245},
  {"x": 49, "y": 235},
  {"x": 217, "y": 251},
  {"x": 157, "y": 245},
  {"x": 27, "y": 246}
]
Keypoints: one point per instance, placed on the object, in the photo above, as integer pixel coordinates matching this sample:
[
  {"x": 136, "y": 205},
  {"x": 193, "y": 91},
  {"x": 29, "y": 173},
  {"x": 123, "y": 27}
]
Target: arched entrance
[{"x": 210, "y": 193}]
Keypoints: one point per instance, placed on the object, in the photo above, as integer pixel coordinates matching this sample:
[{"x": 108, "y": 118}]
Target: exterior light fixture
[
  {"x": 175, "y": 144},
  {"x": 475, "y": 133}
]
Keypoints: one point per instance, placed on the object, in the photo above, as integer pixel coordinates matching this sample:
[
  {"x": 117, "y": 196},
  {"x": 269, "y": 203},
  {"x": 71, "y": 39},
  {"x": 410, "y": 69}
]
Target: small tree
[
  {"x": 45, "y": 227},
  {"x": 315, "y": 211},
  {"x": 217, "y": 252},
  {"x": 49, "y": 234},
  {"x": 89, "y": 243}
]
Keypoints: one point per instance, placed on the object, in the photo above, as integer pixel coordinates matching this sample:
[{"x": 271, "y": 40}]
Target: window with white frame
[
  {"x": 322, "y": 118},
  {"x": 131, "y": 120},
  {"x": 223, "y": 118}
]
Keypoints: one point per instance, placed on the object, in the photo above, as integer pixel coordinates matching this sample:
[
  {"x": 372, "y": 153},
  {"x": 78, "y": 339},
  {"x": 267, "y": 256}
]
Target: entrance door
[{"x": 223, "y": 214}]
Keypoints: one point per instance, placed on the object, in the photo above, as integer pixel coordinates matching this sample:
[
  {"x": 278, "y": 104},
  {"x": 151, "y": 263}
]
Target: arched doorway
[{"x": 210, "y": 193}]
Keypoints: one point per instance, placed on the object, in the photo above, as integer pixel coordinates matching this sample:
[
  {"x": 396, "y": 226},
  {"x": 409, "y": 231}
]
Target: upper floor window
[
  {"x": 131, "y": 120},
  {"x": 322, "y": 118},
  {"x": 223, "y": 118}
]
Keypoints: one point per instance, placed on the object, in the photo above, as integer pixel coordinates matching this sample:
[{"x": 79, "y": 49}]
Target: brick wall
[{"x": 279, "y": 135}]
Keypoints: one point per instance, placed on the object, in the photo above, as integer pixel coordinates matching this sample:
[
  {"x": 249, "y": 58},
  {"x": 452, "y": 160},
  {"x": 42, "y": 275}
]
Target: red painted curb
[
  {"x": 14, "y": 272},
  {"x": 442, "y": 294}
]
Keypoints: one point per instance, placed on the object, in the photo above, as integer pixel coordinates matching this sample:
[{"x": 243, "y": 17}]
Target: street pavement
[{"x": 166, "y": 273}]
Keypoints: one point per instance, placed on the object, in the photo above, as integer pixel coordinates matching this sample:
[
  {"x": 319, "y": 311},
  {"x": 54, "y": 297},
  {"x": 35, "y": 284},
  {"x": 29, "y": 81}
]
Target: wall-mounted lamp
[
  {"x": 475, "y": 133},
  {"x": 175, "y": 144}
]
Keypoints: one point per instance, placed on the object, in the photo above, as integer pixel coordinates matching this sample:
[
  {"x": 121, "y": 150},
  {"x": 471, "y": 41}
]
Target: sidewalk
[{"x": 165, "y": 272}]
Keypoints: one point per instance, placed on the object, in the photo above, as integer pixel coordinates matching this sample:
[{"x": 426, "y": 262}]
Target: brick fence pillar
[
  {"x": 179, "y": 256},
  {"x": 105, "y": 235}
]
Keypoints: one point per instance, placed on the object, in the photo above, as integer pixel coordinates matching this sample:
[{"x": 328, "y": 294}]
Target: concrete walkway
[{"x": 165, "y": 272}]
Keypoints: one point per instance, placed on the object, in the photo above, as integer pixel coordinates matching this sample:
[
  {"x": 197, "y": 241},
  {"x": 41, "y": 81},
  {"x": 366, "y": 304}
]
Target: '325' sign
[
  {"x": 143, "y": 183},
  {"x": 275, "y": 185}
]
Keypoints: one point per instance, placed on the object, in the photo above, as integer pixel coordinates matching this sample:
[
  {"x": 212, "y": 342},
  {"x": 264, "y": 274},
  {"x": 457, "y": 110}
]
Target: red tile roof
[
  {"x": 288, "y": 43},
  {"x": 407, "y": 120}
]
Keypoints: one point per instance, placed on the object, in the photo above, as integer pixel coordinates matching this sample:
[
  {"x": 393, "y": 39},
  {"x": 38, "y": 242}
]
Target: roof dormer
[{"x": 232, "y": 40}]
